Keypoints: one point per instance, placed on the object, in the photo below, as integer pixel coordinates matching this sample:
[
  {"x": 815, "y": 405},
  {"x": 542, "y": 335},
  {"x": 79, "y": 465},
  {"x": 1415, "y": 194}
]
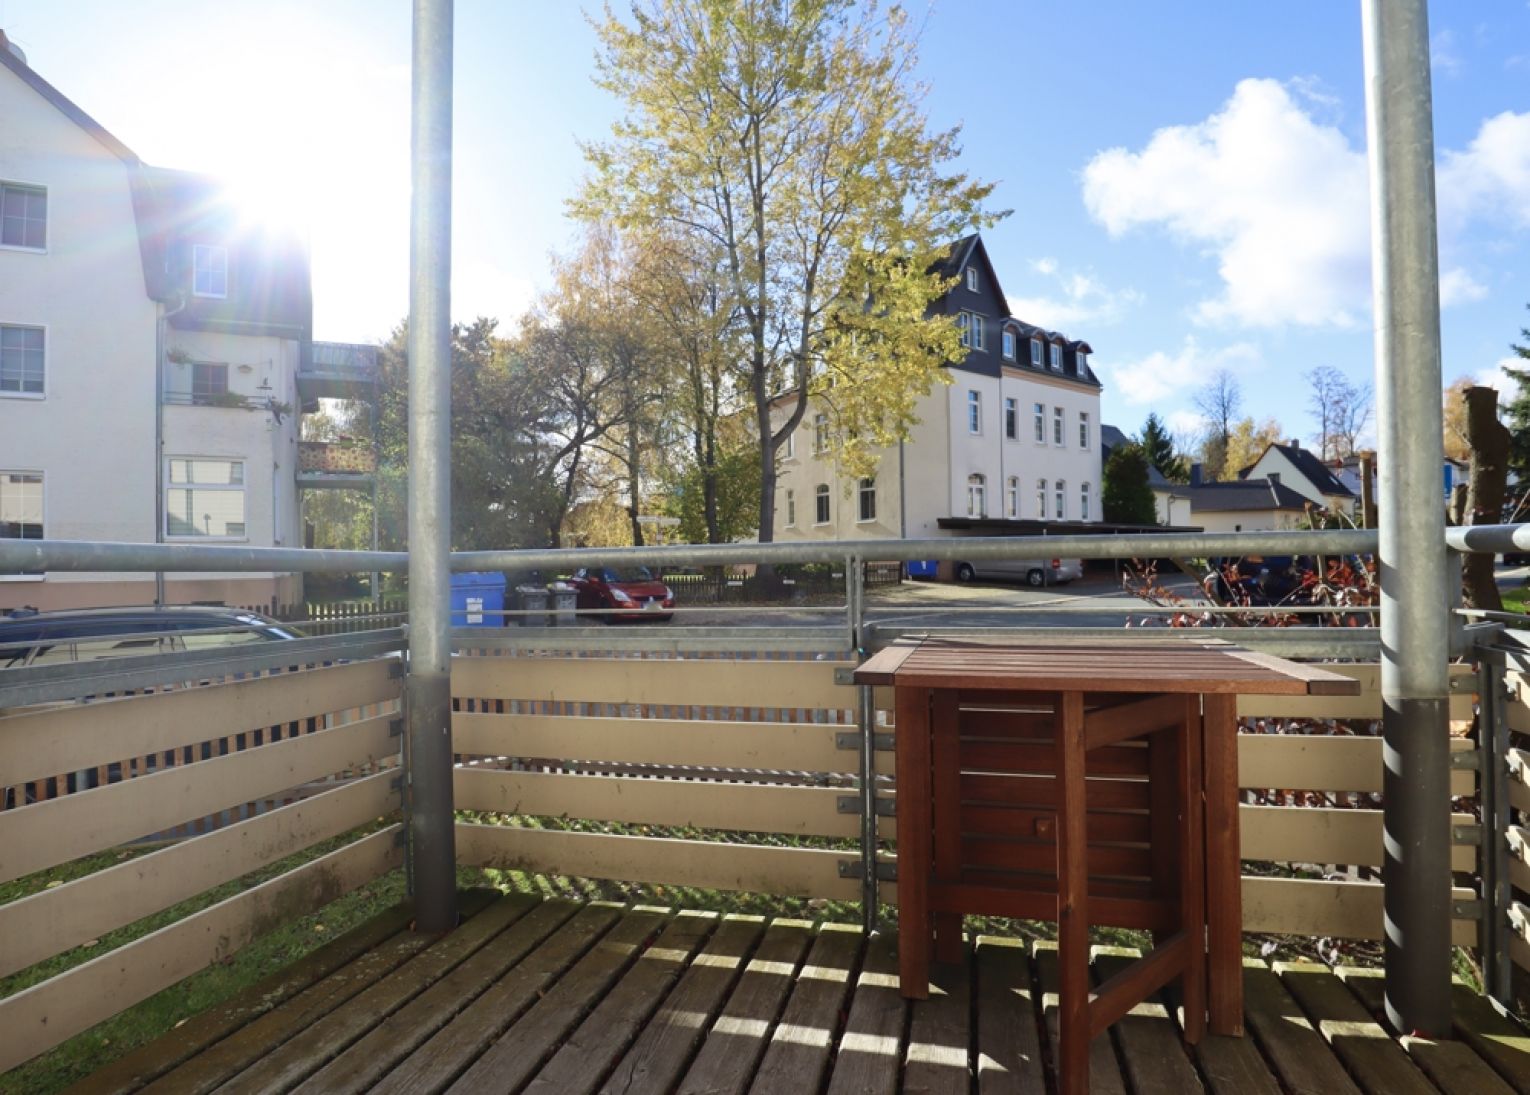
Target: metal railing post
[
  {"x": 1493, "y": 854},
  {"x": 866, "y": 721},
  {"x": 1414, "y": 624},
  {"x": 432, "y": 842}
]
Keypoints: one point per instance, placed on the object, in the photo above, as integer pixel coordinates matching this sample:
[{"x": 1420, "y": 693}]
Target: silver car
[{"x": 1034, "y": 572}]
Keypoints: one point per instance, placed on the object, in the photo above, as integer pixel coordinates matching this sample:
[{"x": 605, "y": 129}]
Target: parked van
[{"x": 1034, "y": 572}]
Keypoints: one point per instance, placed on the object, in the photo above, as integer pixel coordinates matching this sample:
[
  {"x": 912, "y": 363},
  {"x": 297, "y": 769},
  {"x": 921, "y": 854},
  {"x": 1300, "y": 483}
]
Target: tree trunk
[{"x": 1489, "y": 441}]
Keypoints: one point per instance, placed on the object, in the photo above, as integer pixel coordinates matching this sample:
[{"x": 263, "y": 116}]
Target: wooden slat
[
  {"x": 49, "y": 833},
  {"x": 774, "y": 746},
  {"x": 771, "y": 685},
  {"x": 797, "y": 1055},
  {"x": 737, "y": 1039},
  {"x": 512, "y": 1060},
  {"x": 39, "y": 1018},
  {"x": 52, "y": 921},
  {"x": 1367, "y": 705},
  {"x": 787, "y": 872},
  {"x": 868, "y": 1058},
  {"x": 936, "y": 1061},
  {"x": 1295, "y": 1050},
  {"x": 78, "y": 736},
  {"x": 1132, "y": 720},
  {"x": 1153, "y": 1056},
  {"x": 1324, "y": 762},
  {"x": 592, "y": 1051},
  {"x": 1344, "y": 910},
  {"x": 1009, "y": 1049},
  {"x": 1519, "y": 779},
  {"x": 457, "y": 1045},
  {"x": 659, "y": 1056},
  {"x": 746, "y": 807},
  {"x": 1317, "y": 834}
]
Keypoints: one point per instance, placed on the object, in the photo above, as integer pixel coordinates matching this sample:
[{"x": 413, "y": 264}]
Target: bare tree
[
  {"x": 1341, "y": 409},
  {"x": 1219, "y": 402}
]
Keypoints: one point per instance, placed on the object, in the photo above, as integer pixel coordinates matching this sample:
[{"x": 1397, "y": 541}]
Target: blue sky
[{"x": 1187, "y": 179}]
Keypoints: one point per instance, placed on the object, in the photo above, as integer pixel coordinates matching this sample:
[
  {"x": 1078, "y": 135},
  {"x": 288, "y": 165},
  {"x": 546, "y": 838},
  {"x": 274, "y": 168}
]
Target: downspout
[
  {"x": 159, "y": 432},
  {"x": 902, "y": 496}
]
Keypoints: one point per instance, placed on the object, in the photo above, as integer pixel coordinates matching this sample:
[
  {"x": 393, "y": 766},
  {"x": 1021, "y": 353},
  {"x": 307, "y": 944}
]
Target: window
[
  {"x": 974, "y": 412},
  {"x": 1060, "y": 497},
  {"x": 208, "y": 381},
  {"x": 204, "y": 498},
  {"x": 23, "y": 216},
  {"x": 868, "y": 499},
  {"x": 969, "y": 326},
  {"x": 1083, "y": 363},
  {"x": 1035, "y": 351},
  {"x": 21, "y": 513},
  {"x": 1011, "y": 419},
  {"x": 1039, "y": 415},
  {"x": 791, "y": 508},
  {"x": 1009, "y": 345},
  {"x": 820, "y": 433},
  {"x": 1083, "y": 502},
  {"x": 209, "y": 270},
  {"x": 1083, "y": 429},
  {"x": 821, "y": 504},
  {"x": 977, "y": 496},
  {"x": 789, "y": 446},
  {"x": 21, "y": 361},
  {"x": 1056, "y": 357},
  {"x": 972, "y": 279},
  {"x": 1041, "y": 499},
  {"x": 1057, "y": 425},
  {"x": 1012, "y": 497}
]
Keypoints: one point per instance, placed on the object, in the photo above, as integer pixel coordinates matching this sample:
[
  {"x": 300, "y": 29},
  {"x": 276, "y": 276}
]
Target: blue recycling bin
[
  {"x": 478, "y": 599},
  {"x": 922, "y": 568}
]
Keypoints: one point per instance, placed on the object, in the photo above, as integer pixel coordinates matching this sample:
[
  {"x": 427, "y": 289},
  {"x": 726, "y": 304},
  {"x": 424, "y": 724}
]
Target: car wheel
[
  {"x": 964, "y": 572},
  {"x": 1036, "y": 578}
]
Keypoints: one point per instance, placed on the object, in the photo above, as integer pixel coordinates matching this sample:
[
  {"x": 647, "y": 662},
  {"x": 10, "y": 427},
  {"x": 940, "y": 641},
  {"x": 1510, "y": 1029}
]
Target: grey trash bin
[
  {"x": 533, "y": 602},
  {"x": 565, "y": 600}
]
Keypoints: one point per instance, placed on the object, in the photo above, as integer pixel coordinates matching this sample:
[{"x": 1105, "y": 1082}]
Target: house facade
[
  {"x": 1301, "y": 470},
  {"x": 151, "y": 350},
  {"x": 1010, "y": 445}
]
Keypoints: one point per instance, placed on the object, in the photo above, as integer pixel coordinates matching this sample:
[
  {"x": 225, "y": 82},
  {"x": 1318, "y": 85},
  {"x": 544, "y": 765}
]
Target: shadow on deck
[{"x": 558, "y": 997}]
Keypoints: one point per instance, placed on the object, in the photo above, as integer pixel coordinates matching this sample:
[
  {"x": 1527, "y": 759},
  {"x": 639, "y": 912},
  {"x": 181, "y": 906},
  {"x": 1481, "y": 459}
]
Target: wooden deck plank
[
  {"x": 736, "y": 1040},
  {"x": 1298, "y": 1053},
  {"x": 1008, "y": 1040},
  {"x": 368, "y": 1060},
  {"x": 1454, "y": 1066},
  {"x": 1233, "y": 1065},
  {"x": 246, "y": 1046},
  {"x": 1378, "y": 1064},
  {"x": 868, "y": 1060},
  {"x": 659, "y": 1057},
  {"x": 1153, "y": 1052},
  {"x": 798, "y": 1054},
  {"x": 455, "y": 1046},
  {"x": 938, "y": 1060},
  {"x": 592, "y": 1051},
  {"x": 1500, "y": 1041},
  {"x": 311, "y": 1049},
  {"x": 1104, "y": 1068},
  {"x": 520, "y": 1051}
]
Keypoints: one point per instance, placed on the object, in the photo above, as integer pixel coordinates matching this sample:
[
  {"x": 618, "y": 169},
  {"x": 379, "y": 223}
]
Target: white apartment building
[
  {"x": 152, "y": 354},
  {"x": 1010, "y": 446}
]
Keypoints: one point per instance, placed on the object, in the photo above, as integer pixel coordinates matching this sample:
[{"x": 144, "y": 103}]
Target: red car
[{"x": 624, "y": 593}]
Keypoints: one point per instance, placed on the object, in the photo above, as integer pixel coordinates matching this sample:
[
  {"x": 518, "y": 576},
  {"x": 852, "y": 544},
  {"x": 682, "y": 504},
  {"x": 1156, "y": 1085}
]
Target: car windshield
[{"x": 626, "y": 574}]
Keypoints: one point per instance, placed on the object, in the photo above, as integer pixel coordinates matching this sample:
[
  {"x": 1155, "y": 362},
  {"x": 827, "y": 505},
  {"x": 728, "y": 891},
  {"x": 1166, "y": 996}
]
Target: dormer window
[
  {"x": 209, "y": 270},
  {"x": 972, "y": 279},
  {"x": 1083, "y": 363},
  {"x": 1036, "y": 351},
  {"x": 970, "y": 326},
  {"x": 1056, "y": 357},
  {"x": 1009, "y": 345}
]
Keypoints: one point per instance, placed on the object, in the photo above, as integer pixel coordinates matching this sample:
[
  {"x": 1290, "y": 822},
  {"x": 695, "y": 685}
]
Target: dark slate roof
[
  {"x": 1111, "y": 436},
  {"x": 1243, "y": 494},
  {"x": 1318, "y": 473}
]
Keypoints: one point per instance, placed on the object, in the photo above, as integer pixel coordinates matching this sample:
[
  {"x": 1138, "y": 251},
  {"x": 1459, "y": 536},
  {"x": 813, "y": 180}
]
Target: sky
[{"x": 1187, "y": 180}]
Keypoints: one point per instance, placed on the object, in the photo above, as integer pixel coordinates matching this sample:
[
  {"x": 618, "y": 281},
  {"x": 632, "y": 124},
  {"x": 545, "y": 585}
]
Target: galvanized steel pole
[
  {"x": 1414, "y": 592},
  {"x": 432, "y": 843}
]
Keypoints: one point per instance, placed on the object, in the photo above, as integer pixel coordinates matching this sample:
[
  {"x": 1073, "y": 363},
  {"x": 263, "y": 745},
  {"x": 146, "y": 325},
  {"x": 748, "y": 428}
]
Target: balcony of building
[
  {"x": 337, "y": 370},
  {"x": 336, "y": 465}
]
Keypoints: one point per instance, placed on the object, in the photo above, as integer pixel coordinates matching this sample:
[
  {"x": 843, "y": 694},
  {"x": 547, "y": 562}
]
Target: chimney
[
  {"x": 1295, "y": 442},
  {"x": 1195, "y": 474}
]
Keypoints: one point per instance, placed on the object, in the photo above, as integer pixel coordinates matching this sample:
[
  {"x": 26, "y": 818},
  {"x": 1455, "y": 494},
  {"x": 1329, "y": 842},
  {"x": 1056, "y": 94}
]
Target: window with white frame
[
  {"x": 867, "y": 495},
  {"x": 1060, "y": 496},
  {"x": 209, "y": 270},
  {"x": 1009, "y": 345},
  {"x": 1012, "y": 497},
  {"x": 1057, "y": 357},
  {"x": 974, "y": 411},
  {"x": 977, "y": 496},
  {"x": 23, "y": 216},
  {"x": 1083, "y": 502},
  {"x": 1057, "y": 425},
  {"x": 820, "y": 433},
  {"x": 791, "y": 508},
  {"x": 21, "y": 514},
  {"x": 21, "y": 360},
  {"x": 1011, "y": 418},
  {"x": 208, "y": 381},
  {"x": 972, "y": 279},
  {"x": 970, "y": 326},
  {"x": 1041, "y": 499},
  {"x": 789, "y": 446},
  {"x": 1035, "y": 351},
  {"x": 204, "y": 498},
  {"x": 821, "y": 504},
  {"x": 1083, "y": 429},
  {"x": 1039, "y": 417},
  {"x": 1083, "y": 363}
]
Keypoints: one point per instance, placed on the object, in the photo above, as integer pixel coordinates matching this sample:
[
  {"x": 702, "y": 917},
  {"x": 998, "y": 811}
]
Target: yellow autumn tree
[{"x": 1245, "y": 442}]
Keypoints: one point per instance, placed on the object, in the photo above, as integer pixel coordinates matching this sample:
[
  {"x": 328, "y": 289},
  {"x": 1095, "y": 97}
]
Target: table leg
[
  {"x": 1072, "y": 899},
  {"x": 1224, "y": 885},
  {"x": 1192, "y": 883},
  {"x": 945, "y": 809},
  {"x": 912, "y": 758}
]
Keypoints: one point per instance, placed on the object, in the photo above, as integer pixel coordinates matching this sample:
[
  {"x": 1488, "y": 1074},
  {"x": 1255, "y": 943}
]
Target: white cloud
[
  {"x": 1498, "y": 378},
  {"x": 1045, "y": 266},
  {"x": 1444, "y": 58},
  {"x": 1491, "y": 176},
  {"x": 1162, "y": 375},
  {"x": 1457, "y": 286},
  {"x": 1076, "y": 300},
  {"x": 1185, "y": 424}
]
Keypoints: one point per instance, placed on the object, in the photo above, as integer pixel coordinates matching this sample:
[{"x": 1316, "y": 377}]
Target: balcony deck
[{"x": 554, "y": 996}]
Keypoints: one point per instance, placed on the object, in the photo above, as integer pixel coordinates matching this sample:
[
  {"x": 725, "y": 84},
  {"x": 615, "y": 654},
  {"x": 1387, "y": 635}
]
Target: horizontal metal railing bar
[
  {"x": 72, "y": 680},
  {"x": 82, "y": 555},
  {"x": 806, "y": 640}
]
